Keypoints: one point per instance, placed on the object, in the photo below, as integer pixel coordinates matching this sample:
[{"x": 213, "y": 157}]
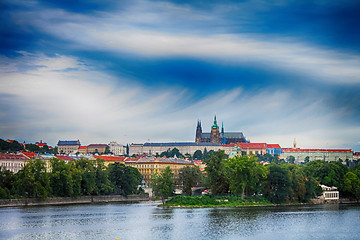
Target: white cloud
[
  {"x": 137, "y": 31},
  {"x": 52, "y": 104}
]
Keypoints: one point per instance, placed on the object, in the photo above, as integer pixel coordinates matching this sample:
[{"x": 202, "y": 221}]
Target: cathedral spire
[{"x": 215, "y": 123}]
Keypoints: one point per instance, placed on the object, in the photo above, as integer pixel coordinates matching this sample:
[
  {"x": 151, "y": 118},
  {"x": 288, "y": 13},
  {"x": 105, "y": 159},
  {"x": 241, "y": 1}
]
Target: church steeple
[{"x": 215, "y": 123}]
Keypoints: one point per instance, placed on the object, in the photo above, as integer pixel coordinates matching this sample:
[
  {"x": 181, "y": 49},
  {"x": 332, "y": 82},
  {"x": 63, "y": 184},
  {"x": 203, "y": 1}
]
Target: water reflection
[{"x": 147, "y": 221}]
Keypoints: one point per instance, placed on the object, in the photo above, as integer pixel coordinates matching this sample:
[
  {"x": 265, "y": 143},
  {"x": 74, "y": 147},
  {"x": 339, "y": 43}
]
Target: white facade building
[
  {"x": 117, "y": 149},
  {"x": 328, "y": 155},
  {"x": 183, "y": 147}
]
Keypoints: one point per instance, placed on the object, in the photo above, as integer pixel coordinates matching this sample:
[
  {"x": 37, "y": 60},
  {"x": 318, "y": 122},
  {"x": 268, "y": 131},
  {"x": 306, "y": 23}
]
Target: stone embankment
[{"x": 69, "y": 200}]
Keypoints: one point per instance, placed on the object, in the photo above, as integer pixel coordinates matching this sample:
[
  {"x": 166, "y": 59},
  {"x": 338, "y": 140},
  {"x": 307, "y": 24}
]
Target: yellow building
[
  {"x": 96, "y": 148},
  {"x": 111, "y": 159},
  {"x": 148, "y": 166}
]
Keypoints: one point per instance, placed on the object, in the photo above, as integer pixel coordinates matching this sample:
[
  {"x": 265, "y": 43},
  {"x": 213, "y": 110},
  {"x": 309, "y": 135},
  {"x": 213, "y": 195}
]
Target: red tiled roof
[
  {"x": 62, "y": 157},
  {"x": 29, "y": 154},
  {"x": 13, "y": 156},
  {"x": 82, "y": 147},
  {"x": 273, "y": 146},
  {"x": 111, "y": 158},
  {"x": 252, "y": 145},
  {"x": 317, "y": 150},
  {"x": 41, "y": 144}
]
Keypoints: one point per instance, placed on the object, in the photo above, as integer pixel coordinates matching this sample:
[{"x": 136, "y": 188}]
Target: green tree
[
  {"x": 88, "y": 183},
  {"x": 297, "y": 183},
  {"x": 190, "y": 177},
  {"x": 351, "y": 186},
  {"x": 60, "y": 178},
  {"x": 7, "y": 180},
  {"x": 126, "y": 179},
  {"x": 33, "y": 148},
  {"x": 312, "y": 188},
  {"x": 163, "y": 184},
  {"x": 103, "y": 183},
  {"x": 327, "y": 173},
  {"x": 245, "y": 175},
  {"x": 216, "y": 173},
  {"x": 290, "y": 159},
  {"x": 33, "y": 180},
  {"x": 198, "y": 155},
  {"x": 171, "y": 153},
  {"x": 107, "y": 150},
  {"x": 10, "y": 147},
  {"x": 278, "y": 186}
]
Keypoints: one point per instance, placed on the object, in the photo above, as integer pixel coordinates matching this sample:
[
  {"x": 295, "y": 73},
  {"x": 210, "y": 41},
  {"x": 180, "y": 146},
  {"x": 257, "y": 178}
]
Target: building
[
  {"x": 239, "y": 149},
  {"x": 117, "y": 149},
  {"x": 330, "y": 194},
  {"x": 356, "y": 156},
  {"x": 66, "y": 147},
  {"x": 183, "y": 147},
  {"x": 304, "y": 155},
  {"x": 41, "y": 144},
  {"x": 82, "y": 149},
  {"x": 111, "y": 159},
  {"x": 148, "y": 166},
  {"x": 215, "y": 136},
  {"x": 274, "y": 149},
  {"x": 245, "y": 148},
  {"x": 96, "y": 148},
  {"x": 13, "y": 162},
  {"x": 66, "y": 159}
]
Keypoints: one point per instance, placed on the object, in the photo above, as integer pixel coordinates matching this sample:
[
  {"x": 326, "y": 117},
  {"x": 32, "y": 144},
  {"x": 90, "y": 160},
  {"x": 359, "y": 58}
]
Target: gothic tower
[
  {"x": 198, "y": 132},
  {"x": 222, "y": 134},
  {"x": 215, "y": 135}
]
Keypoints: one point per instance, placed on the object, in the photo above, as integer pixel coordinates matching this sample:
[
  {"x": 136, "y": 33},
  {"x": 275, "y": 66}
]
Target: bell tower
[{"x": 215, "y": 135}]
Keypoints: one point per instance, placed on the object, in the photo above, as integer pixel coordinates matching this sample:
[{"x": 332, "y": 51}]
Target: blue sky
[{"x": 137, "y": 71}]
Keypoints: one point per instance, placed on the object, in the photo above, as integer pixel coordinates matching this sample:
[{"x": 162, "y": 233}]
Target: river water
[{"x": 147, "y": 221}]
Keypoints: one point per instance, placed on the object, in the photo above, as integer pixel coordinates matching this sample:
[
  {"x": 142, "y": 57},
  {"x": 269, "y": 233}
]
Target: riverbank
[
  {"x": 69, "y": 200},
  {"x": 231, "y": 201}
]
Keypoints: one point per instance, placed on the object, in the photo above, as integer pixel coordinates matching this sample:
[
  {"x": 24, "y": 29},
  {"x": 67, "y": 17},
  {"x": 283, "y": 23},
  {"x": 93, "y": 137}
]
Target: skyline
[{"x": 134, "y": 71}]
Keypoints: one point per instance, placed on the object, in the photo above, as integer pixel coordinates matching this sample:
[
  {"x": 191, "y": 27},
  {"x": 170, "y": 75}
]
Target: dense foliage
[
  {"x": 72, "y": 179},
  {"x": 171, "y": 153},
  {"x": 207, "y": 201},
  {"x": 190, "y": 177},
  {"x": 14, "y": 146},
  {"x": 10, "y": 147},
  {"x": 163, "y": 183},
  {"x": 279, "y": 182}
]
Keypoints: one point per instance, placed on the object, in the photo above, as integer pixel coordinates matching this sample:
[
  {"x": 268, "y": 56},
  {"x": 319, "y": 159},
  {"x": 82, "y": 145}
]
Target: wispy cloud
[
  {"x": 122, "y": 33},
  {"x": 66, "y": 105}
]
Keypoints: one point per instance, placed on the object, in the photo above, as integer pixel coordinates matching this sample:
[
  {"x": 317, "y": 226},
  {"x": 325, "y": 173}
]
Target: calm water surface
[{"x": 147, "y": 221}]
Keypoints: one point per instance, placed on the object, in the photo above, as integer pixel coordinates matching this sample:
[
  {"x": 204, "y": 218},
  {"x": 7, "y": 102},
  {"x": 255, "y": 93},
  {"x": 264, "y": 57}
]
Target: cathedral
[{"x": 215, "y": 136}]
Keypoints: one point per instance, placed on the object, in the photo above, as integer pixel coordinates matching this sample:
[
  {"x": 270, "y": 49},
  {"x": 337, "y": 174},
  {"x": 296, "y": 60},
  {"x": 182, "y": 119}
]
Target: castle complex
[{"x": 215, "y": 136}]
